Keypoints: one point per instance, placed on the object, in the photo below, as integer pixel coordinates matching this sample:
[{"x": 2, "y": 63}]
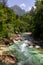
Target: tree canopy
[{"x": 31, "y": 21}]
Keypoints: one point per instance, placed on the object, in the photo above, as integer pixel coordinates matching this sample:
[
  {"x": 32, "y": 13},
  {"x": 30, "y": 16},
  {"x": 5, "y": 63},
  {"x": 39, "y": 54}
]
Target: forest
[{"x": 32, "y": 21}]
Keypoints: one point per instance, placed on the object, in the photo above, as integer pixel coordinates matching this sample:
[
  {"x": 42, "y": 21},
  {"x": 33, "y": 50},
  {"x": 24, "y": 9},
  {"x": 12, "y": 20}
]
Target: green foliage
[
  {"x": 9, "y": 22},
  {"x": 27, "y": 18},
  {"x": 31, "y": 21},
  {"x": 34, "y": 20},
  {"x": 38, "y": 21},
  {"x": 7, "y": 17},
  {"x": 20, "y": 26}
]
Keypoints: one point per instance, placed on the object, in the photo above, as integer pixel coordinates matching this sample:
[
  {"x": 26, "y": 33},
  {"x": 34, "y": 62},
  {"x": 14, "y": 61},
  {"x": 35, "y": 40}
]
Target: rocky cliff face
[{"x": 18, "y": 10}]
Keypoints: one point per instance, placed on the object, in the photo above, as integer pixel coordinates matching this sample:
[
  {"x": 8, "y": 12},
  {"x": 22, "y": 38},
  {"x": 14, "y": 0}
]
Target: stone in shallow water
[
  {"x": 30, "y": 46},
  {"x": 37, "y": 46}
]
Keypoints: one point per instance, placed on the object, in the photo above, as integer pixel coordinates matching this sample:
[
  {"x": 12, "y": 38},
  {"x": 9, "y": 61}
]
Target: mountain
[{"x": 18, "y": 10}]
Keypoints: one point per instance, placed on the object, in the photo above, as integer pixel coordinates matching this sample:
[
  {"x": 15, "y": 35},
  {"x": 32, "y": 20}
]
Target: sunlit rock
[
  {"x": 30, "y": 46},
  {"x": 15, "y": 41},
  {"x": 37, "y": 46},
  {"x": 26, "y": 41}
]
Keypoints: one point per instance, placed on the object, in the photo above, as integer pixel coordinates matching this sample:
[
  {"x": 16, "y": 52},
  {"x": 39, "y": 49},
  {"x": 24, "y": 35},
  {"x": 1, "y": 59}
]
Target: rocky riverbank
[
  {"x": 8, "y": 59},
  {"x": 11, "y": 45}
]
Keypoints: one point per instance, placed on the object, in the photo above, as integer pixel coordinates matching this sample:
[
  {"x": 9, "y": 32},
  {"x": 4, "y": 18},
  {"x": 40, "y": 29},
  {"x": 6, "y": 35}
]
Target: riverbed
[{"x": 25, "y": 54}]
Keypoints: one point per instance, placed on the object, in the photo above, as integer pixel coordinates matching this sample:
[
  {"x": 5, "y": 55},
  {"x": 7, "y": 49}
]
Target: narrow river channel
[{"x": 26, "y": 55}]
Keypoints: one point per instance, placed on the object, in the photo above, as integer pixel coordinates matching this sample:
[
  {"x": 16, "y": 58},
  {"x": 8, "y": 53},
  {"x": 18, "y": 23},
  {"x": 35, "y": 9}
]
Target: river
[{"x": 25, "y": 54}]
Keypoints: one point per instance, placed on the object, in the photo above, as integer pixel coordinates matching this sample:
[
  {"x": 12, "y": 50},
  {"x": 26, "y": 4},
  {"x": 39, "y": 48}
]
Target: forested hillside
[
  {"x": 29, "y": 22},
  {"x": 9, "y": 22}
]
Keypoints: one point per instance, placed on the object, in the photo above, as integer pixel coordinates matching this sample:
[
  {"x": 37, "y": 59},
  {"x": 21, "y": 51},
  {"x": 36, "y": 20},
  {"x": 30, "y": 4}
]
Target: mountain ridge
[{"x": 17, "y": 10}]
